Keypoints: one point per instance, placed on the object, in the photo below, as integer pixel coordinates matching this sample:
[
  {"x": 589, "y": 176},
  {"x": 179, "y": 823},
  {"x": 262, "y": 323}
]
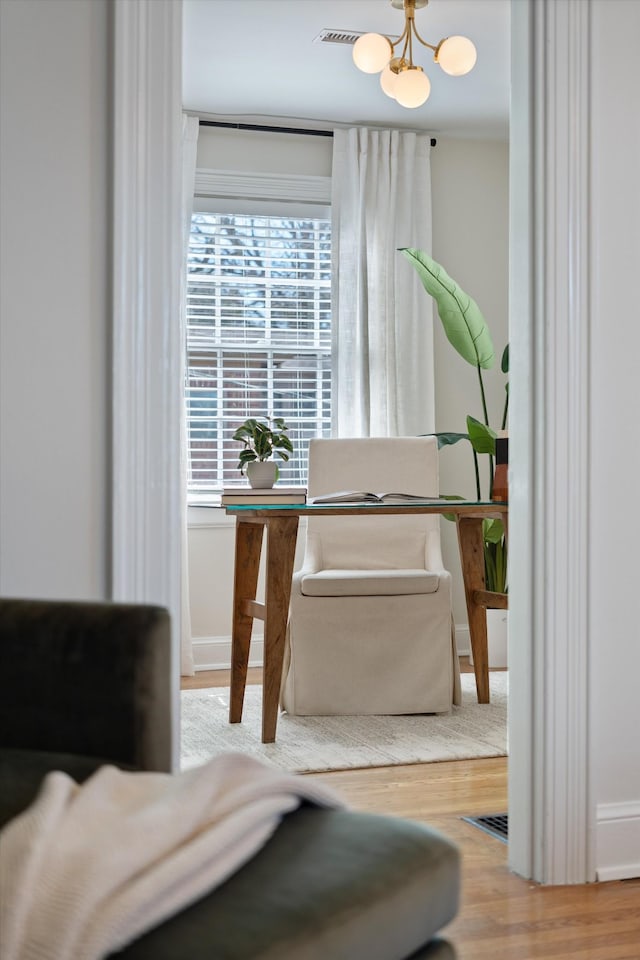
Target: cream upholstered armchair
[{"x": 370, "y": 628}]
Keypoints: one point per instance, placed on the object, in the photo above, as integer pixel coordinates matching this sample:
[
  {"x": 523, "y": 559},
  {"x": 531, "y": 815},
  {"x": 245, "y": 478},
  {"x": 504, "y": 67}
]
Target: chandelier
[{"x": 400, "y": 78}]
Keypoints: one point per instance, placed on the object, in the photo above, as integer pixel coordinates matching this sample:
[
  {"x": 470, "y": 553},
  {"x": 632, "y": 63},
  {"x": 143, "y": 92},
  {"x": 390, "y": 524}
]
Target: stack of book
[{"x": 246, "y": 496}]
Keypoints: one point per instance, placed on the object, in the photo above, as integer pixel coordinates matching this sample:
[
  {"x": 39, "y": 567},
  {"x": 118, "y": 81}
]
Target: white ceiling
[{"x": 256, "y": 61}]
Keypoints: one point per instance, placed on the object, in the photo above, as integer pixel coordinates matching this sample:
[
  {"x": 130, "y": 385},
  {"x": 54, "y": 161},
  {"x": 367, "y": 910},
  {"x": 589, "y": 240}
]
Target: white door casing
[
  {"x": 147, "y": 388},
  {"x": 551, "y": 815}
]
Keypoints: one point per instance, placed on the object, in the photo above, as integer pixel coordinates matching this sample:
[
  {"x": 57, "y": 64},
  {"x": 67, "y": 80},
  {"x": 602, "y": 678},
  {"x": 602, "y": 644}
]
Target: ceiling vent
[{"x": 338, "y": 36}]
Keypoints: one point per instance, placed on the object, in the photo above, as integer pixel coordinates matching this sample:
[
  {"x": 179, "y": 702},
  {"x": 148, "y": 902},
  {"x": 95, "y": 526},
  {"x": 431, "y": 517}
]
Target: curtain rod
[{"x": 270, "y": 129}]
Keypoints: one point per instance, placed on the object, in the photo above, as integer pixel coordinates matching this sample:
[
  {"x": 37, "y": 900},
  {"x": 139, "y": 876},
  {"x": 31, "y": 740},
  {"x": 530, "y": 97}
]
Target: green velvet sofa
[{"x": 82, "y": 684}]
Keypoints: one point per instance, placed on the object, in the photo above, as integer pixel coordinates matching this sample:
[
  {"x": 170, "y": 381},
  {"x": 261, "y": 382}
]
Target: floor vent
[{"x": 496, "y": 824}]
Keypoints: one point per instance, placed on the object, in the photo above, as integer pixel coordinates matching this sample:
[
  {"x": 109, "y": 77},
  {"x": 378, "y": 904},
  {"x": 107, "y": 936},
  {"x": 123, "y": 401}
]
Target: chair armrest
[{"x": 87, "y": 678}]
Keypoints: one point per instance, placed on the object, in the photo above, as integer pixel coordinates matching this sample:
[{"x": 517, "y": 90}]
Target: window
[{"x": 258, "y": 338}]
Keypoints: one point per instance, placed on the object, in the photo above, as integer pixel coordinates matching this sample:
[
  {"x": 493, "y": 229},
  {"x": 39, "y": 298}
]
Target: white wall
[
  {"x": 54, "y": 288},
  {"x": 470, "y": 238}
]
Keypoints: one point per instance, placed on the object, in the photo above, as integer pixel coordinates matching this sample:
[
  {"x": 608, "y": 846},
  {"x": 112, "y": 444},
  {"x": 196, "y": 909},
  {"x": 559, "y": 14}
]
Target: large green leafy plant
[{"x": 468, "y": 333}]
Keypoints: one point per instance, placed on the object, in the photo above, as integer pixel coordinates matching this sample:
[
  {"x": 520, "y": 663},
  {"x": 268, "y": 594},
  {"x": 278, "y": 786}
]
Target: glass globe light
[
  {"x": 456, "y": 56},
  {"x": 389, "y": 76},
  {"x": 372, "y": 52},
  {"x": 412, "y": 87}
]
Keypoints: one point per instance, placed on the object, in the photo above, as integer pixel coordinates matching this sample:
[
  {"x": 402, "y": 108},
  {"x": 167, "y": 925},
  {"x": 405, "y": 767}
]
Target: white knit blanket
[{"x": 88, "y": 868}]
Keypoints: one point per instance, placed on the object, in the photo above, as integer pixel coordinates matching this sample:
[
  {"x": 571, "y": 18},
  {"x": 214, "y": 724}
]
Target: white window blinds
[{"x": 258, "y": 338}]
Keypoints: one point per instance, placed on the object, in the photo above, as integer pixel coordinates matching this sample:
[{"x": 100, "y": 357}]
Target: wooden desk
[{"x": 281, "y": 523}]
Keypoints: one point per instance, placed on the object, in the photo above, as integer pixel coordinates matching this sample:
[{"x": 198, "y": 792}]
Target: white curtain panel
[
  {"x": 190, "y": 129},
  {"x": 383, "y": 382}
]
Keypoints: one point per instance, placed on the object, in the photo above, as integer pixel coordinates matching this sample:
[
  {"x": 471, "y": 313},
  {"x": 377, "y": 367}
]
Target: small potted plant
[{"x": 263, "y": 438}]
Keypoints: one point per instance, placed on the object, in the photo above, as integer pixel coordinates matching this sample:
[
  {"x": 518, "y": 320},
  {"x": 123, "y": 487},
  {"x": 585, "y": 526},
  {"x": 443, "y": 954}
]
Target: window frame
[{"x": 275, "y": 195}]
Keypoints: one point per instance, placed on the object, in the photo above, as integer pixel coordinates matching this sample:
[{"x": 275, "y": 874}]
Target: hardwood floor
[{"x": 501, "y": 915}]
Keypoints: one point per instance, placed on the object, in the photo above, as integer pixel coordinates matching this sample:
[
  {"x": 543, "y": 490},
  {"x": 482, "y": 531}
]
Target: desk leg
[
  {"x": 248, "y": 549},
  {"x": 282, "y": 533},
  {"x": 471, "y": 545}
]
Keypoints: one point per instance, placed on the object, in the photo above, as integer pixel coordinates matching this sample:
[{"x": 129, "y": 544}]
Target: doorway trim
[
  {"x": 551, "y": 814},
  {"x": 147, "y": 257}
]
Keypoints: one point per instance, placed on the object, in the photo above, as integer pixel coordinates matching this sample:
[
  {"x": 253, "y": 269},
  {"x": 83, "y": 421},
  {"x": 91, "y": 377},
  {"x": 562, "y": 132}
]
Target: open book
[{"x": 360, "y": 496}]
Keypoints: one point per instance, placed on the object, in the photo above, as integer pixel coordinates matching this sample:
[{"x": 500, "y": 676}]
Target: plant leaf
[
  {"x": 489, "y": 566},
  {"x": 504, "y": 363},
  {"x": 492, "y": 530},
  {"x": 245, "y": 457},
  {"x": 447, "y": 439},
  {"x": 495, "y": 555},
  {"x": 262, "y": 444},
  {"x": 482, "y": 437},
  {"x": 462, "y": 319},
  {"x": 284, "y": 442}
]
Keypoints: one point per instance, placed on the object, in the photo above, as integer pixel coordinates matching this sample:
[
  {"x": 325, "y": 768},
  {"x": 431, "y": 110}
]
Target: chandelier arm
[
  {"x": 424, "y": 42},
  {"x": 403, "y": 36}
]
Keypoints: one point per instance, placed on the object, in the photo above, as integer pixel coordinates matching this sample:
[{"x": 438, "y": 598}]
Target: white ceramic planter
[
  {"x": 262, "y": 473},
  {"x": 497, "y": 637}
]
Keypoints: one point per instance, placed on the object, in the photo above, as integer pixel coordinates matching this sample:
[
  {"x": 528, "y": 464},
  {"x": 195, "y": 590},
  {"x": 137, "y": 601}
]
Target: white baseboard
[
  {"x": 214, "y": 653},
  {"x": 618, "y": 841}
]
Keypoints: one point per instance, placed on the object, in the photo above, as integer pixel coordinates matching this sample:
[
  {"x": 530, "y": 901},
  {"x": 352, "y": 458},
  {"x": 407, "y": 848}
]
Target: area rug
[{"x": 315, "y": 744}]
